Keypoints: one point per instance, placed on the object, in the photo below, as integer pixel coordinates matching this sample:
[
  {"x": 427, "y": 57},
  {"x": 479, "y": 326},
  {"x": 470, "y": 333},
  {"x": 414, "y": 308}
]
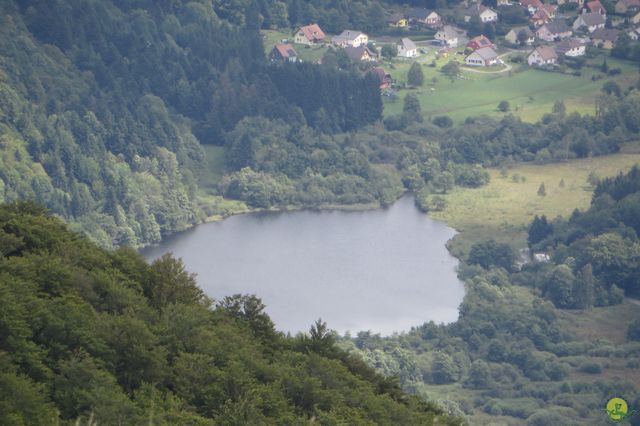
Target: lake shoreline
[{"x": 393, "y": 260}]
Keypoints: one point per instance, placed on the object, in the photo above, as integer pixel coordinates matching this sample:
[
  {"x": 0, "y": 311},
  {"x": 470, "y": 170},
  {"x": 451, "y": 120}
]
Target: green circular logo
[{"x": 617, "y": 409}]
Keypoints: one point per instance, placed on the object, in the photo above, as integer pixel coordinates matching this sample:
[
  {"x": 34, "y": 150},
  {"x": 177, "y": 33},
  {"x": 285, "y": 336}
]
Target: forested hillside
[
  {"x": 102, "y": 337},
  {"x": 103, "y": 105}
]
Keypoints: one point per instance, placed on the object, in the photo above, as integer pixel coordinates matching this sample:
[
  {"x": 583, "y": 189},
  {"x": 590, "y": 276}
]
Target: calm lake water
[{"x": 382, "y": 270}]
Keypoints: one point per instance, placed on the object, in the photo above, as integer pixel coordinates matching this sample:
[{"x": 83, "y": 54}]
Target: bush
[
  {"x": 443, "y": 121},
  {"x": 591, "y": 368}
]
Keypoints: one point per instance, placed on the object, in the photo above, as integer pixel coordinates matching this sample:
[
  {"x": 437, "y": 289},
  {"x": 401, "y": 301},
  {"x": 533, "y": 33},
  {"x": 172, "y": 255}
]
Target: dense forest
[
  {"x": 513, "y": 351},
  {"x": 89, "y": 336},
  {"x": 103, "y": 105}
]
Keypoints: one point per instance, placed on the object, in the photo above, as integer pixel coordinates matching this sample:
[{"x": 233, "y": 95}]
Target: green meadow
[{"x": 530, "y": 92}]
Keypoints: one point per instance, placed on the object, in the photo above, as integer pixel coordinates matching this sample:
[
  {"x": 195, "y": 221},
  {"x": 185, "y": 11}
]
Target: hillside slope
[{"x": 92, "y": 334}]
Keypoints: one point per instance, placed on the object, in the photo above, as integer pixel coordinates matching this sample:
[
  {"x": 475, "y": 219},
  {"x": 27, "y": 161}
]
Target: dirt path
[{"x": 634, "y": 301}]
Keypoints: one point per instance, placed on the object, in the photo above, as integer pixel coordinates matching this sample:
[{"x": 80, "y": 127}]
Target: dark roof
[
  {"x": 592, "y": 19},
  {"x": 566, "y": 45},
  {"x": 557, "y": 26},
  {"x": 475, "y": 9},
  {"x": 381, "y": 74},
  {"x": 605, "y": 34},
  {"x": 356, "y": 53},
  {"x": 395, "y": 17},
  {"x": 417, "y": 13},
  {"x": 526, "y": 30}
]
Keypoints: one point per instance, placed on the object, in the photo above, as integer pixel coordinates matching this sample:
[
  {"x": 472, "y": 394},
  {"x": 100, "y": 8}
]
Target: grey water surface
[{"x": 382, "y": 270}]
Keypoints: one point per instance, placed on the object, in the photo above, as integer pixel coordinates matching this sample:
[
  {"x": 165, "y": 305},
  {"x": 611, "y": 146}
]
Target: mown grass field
[
  {"x": 503, "y": 209},
  {"x": 530, "y": 92}
]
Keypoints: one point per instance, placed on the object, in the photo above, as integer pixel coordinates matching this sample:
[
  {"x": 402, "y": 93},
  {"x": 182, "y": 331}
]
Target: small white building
[
  {"x": 483, "y": 57},
  {"x": 542, "y": 55},
  {"x": 351, "y": 38},
  {"x": 448, "y": 35},
  {"x": 407, "y": 48}
]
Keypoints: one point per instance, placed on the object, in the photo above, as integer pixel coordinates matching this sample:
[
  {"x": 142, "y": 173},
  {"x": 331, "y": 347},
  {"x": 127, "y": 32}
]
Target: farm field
[
  {"x": 530, "y": 92},
  {"x": 505, "y": 207}
]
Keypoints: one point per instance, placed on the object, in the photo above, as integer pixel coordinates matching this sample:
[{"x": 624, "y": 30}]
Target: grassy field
[
  {"x": 530, "y": 92},
  {"x": 504, "y": 208}
]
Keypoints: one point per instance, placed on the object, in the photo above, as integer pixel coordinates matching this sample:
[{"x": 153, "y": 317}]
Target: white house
[
  {"x": 483, "y": 57},
  {"x": 592, "y": 21},
  {"x": 309, "y": 34},
  {"x": 542, "y": 55},
  {"x": 554, "y": 30},
  {"x": 407, "y": 48},
  {"x": 571, "y": 48},
  {"x": 484, "y": 13},
  {"x": 425, "y": 17},
  {"x": 513, "y": 35},
  {"x": 351, "y": 38},
  {"x": 448, "y": 35}
]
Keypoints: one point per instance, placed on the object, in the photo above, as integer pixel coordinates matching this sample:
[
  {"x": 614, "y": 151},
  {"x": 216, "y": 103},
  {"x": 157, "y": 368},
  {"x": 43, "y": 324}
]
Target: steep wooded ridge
[
  {"x": 101, "y": 103},
  {"x": 102, "y": 337}
]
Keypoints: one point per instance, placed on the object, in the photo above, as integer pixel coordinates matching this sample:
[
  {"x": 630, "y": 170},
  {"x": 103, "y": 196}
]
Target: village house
[
  {"x": 484, "y": 13},
  {"x": 627, "y": 6},
  {"x": 383, "y": 77},
  {"x": 479, "y": 42},
  {"x": 449, "y": 35},
  {"x": 541, "y": 17},
  {"x": 309, "y": 34},
  {"x": 407, "y": 48},
  {"x": 634, "y": 34},
  {"x": 590, "y": 21},
  {"x": 554, "y": 30},
  {"x": 513, "y": 36},
  {"x": 635, "y": 20},
  {"x": 503, "y": 3},
  {"x": 542, "y": 55},
  {"x": 283, "y": 53},
  {"x": 604, "y": 38},
  {"x": 531, "y": 6},
  {"x": 483, "y": 57},
  {"x": 571, "y": 48},
  {"x": 360, "y": 53},
  {"x": 351, "y": 38},
  {"x": 594, "y": 7},
  {"x": 424, "y": 17},
  {"x": 397, "y": 20}
]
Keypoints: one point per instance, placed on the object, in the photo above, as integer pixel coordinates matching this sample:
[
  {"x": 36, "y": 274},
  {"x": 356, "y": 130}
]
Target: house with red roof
[
  {"x": 283, "y": 53},
  {"x": 479, "y": 42},
  {"x": 309, "y": 34},
  {"x": 383, "y": 77},
  {"x": 594, "y": 7},
  {"x": 532, "y": 6},
  {"x": 542, "y": 55}
]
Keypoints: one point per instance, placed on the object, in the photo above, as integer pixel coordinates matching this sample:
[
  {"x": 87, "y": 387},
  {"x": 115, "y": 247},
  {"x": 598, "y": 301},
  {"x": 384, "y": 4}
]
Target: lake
[{"x": 382, "y": 270}]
